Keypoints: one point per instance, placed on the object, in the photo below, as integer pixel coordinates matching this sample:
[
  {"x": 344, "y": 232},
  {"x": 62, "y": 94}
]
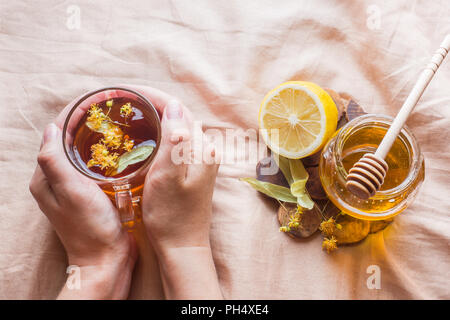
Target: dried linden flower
[
  {"x": 126, "y": 109},
  {"x": 96, "y": 116},
  {"x": 112, "y": 137},
  {"x": 329, "y": 244},
  {"x": 111, "y": 160},
  {"x": 128, "y": 144},
  {"x": 328, "y": 227},
  {"x": 99, "y": 150},
  {"x": 294, "y": 219},
  {"x": 100, "y": 156}
]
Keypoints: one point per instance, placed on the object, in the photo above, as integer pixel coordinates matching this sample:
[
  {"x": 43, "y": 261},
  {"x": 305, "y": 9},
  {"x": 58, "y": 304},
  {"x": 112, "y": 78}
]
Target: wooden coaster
[
  {"x": 338, "y": 101},
  {"x": 309, "y": 222},
  {"x": 314, "y": 185}
]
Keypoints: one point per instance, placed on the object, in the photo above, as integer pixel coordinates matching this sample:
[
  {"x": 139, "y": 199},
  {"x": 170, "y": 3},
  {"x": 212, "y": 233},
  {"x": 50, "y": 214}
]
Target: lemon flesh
[{"x": 297, "y": 118}]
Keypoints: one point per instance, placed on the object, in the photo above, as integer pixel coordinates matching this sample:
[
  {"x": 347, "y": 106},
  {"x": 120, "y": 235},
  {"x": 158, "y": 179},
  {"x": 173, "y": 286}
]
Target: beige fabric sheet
[{"x": 220, "y": 58}]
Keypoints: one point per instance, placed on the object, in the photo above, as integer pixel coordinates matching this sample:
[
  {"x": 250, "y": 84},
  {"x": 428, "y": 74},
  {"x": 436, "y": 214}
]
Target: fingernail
[
  {"x": 49, "y": 133},
  {"x": 174, "y": 110}
]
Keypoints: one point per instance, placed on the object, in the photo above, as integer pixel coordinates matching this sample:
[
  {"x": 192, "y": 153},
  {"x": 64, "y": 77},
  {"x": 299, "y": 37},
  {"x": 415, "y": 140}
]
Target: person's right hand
[
  {"x": 177, "y": 198},
  {"x": 177, "y": 204}
]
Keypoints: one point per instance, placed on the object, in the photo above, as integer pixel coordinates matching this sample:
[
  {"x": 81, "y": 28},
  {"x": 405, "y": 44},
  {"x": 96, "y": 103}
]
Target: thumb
[
  {"x": 175, "y": 148},
  {"x": 51, "y": 158}
]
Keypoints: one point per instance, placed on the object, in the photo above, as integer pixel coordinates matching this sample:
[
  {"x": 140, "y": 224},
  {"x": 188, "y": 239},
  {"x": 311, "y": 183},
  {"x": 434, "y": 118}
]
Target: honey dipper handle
[{"x": 413, "y": 97}]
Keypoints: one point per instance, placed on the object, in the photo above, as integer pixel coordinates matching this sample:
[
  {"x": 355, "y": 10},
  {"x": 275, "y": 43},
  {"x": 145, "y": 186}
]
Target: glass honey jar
[{"x": 403, "y": 179}]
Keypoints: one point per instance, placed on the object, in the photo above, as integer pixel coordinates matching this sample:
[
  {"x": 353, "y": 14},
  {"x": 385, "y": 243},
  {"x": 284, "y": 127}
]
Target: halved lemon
[{"x": 297, "y": 118}]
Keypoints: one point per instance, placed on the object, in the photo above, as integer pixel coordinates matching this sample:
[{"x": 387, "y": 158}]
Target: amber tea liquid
[{"x": 138, "y": 127}]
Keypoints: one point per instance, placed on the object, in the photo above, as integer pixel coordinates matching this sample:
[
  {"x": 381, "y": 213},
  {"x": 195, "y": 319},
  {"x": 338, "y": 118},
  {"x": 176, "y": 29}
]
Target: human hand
[
  {"x": 177, "y": 204},
  {"x": 85, "y": 220},
  {"x": 177, "y": 198}
]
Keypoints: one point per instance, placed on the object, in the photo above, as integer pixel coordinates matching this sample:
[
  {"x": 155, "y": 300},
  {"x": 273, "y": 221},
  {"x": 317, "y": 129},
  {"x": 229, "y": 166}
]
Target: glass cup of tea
[{"x": 111, "y": 135}]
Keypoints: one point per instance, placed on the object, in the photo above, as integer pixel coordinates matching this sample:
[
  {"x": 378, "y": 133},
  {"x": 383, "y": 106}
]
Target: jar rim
[{"x": 413, "y": 148}]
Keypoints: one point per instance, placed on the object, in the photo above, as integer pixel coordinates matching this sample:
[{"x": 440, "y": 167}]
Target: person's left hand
[{"x": 85, "y": 220}]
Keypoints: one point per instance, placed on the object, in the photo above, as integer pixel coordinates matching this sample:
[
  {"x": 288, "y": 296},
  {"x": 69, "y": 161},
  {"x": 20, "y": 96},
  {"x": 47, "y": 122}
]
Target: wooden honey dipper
[{"x": 367, "y": 175}]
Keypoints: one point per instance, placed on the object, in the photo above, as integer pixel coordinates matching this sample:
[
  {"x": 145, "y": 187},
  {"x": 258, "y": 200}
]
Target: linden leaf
[
  {"x": 283, "y": 164},
  {"x": 272, "y": 190},
  {"x": 138, "y": 154},
  {"x": 297, "y": 176},
  {"x": 298, "y": 171},
  {"x": 104, "y": 126},
  {"x": 298, "y": 187},
  {"x": 305, "y": 201}
]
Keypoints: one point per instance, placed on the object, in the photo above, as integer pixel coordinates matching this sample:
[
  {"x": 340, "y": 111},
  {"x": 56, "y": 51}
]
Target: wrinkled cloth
[{"x": 220, "y": 58}]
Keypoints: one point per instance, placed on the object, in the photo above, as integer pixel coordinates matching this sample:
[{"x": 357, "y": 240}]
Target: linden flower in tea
[
  {"x": 102, "y": 157},
  {"x": 115, "y": 137}
]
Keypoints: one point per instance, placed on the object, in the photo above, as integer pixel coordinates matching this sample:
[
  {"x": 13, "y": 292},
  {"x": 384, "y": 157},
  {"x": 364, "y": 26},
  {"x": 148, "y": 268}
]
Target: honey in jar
[{"x": 403, "y": 179}]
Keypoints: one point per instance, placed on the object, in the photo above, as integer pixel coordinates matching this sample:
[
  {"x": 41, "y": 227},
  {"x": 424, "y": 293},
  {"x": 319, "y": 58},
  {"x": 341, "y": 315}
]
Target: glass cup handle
[{"x": 124, "y": 204}]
